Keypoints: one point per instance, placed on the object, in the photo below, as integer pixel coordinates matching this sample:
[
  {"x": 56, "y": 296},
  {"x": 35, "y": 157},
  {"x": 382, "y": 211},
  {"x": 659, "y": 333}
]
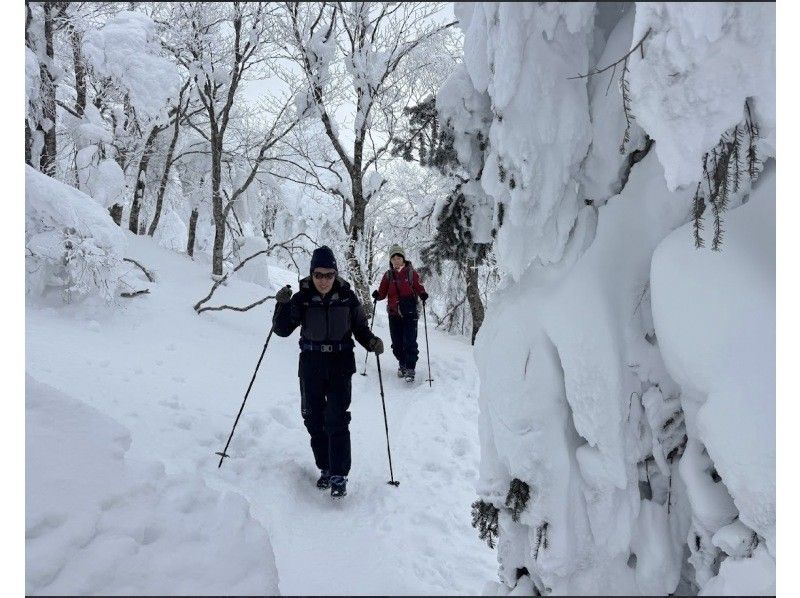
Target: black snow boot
[
  {"x": 409, "y": 375},
  {"x": 401, "y": 372},
  {"x": 338, "y": 486},
  {"x": 324, "y": 481}
]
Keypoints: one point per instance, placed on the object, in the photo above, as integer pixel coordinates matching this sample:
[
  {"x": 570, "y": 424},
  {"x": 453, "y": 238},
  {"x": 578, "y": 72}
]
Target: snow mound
[
  {"x": 116, "y": 519},
  {"x": 721, "y": 350},
  {"x": 72, "y": 243}
]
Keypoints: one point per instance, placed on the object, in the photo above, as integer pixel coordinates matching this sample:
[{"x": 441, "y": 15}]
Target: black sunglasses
[{"x": 325, "y": 275}]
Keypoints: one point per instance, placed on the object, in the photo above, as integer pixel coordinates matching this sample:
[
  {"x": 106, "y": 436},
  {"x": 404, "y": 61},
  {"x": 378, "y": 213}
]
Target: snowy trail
[{"x": 176, "y": 381}]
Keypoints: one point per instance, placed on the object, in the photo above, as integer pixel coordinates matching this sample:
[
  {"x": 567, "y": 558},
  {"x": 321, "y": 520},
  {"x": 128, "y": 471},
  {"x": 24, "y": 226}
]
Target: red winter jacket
[{"x": 394, "y": 284}]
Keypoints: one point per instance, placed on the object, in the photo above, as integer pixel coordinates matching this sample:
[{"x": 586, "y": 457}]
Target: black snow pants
[
  {"x": 325, "y": 401},
  {"x": 404, "y": 340}
]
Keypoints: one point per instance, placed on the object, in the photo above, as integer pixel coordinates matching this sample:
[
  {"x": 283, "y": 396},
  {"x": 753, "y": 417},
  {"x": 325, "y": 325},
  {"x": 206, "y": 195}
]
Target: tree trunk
[
  {"x": 356, "y": 231},
  {"x": 47, "y": 161},
  {"x": 29, "y": 44},
  {"x": 28, "y": 144},
  {"x": 371, "y": 255},
  {"x": 217, "y": 209},
  {"x": 192, "y": 229},
  {"x": 474, "y": 298},
  {"x": 116, "y": 213},
  {"x": 138, "y": 192},
  {"x": 165, "y": 176},
  {"x": 80, "y": 71}
]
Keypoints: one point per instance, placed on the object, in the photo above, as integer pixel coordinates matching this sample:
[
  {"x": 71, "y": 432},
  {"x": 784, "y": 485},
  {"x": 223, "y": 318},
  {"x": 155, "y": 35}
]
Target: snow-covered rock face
[{"x": 621, "y": 418}]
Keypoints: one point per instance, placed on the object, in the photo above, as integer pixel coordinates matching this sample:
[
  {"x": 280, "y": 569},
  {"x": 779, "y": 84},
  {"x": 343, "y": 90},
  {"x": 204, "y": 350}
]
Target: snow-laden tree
[
  {"x": 360, "y": 64},
  {"x": 460, "y": 240},
  {"x": 221, "y": 46},
  {"x": 139, "y": 95},
  {"x": 42, "y": 75},
  {"x": 609, "y": 384}
]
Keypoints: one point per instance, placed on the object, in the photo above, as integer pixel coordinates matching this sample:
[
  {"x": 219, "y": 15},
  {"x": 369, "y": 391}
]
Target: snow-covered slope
[
  {"x": 176, "y": 380},
  {"x": 97, "y": 522}
]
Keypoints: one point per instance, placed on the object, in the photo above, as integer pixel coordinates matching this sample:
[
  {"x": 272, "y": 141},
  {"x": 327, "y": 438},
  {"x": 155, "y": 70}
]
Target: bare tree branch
[{"x": 149, "y": 276}]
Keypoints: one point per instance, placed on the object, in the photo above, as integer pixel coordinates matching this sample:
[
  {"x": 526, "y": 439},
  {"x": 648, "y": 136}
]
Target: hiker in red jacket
[{"x": 402, "y": 286}]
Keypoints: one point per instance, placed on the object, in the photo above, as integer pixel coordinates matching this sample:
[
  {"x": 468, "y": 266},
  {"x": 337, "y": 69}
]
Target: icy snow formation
[
  {"x": 647, "y": 446},
  {"x": 702, "y": 60},
  {"x": 721, "y": 351},
  {"x": 536, "y": 144},
  {"x": 115, "y": 519}
]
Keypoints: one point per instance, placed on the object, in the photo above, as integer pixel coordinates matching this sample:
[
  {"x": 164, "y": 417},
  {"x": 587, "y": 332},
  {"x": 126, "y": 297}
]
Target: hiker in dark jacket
[
  {"x": 329, "y": 315},
  {"x": 402, "y": 286}
]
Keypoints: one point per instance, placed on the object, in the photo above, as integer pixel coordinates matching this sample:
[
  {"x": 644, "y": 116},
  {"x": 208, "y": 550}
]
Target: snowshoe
[
  {"x": 324, "y": 481},
  {"x": 409, "y": 376},
  {"x": 338, "y": 486}
]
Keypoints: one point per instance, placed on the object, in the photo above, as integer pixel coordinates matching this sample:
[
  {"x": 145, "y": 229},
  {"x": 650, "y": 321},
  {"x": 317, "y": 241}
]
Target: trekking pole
[
  {"x": 391, "y": 481},
  {"x": 427, "y": 348},
  {"x": 374, "y": 308},
  {"x": 224, "y": 452}
]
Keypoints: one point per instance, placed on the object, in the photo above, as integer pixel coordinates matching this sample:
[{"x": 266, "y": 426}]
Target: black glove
[
  {"x": 375, "y": 294},
  {"x": 284, "y": 295},
  {"x": 376, "y": 345},
  {"x": 423, "y": 296}
]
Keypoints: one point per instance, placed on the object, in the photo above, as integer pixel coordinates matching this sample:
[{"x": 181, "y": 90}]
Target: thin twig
[{"x": 613, "y": 64}]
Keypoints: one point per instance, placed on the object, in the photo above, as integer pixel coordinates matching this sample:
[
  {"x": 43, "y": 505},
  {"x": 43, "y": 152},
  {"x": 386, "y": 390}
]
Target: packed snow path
[{"x": 176, "y": 380}]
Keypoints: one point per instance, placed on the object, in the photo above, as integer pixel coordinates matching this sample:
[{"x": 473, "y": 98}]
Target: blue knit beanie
[{"x": 323, "y": 258}]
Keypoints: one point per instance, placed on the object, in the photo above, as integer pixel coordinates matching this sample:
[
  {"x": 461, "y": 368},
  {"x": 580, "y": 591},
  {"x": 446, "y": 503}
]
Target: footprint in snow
[
  {"x": 172, "y": 403},
  {"x": 256, "y": 424},
  {"x": 283, "y": 418},
  {"x": 185, "y": 423},
  {"x": 48, "y": 522},
  {"x": 460, "y": 446}
]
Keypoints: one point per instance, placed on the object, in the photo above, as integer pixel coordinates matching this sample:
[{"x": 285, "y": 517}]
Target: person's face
[
  {"x": 397, "y": 261},
  {"x": 323, "y": 279}
]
